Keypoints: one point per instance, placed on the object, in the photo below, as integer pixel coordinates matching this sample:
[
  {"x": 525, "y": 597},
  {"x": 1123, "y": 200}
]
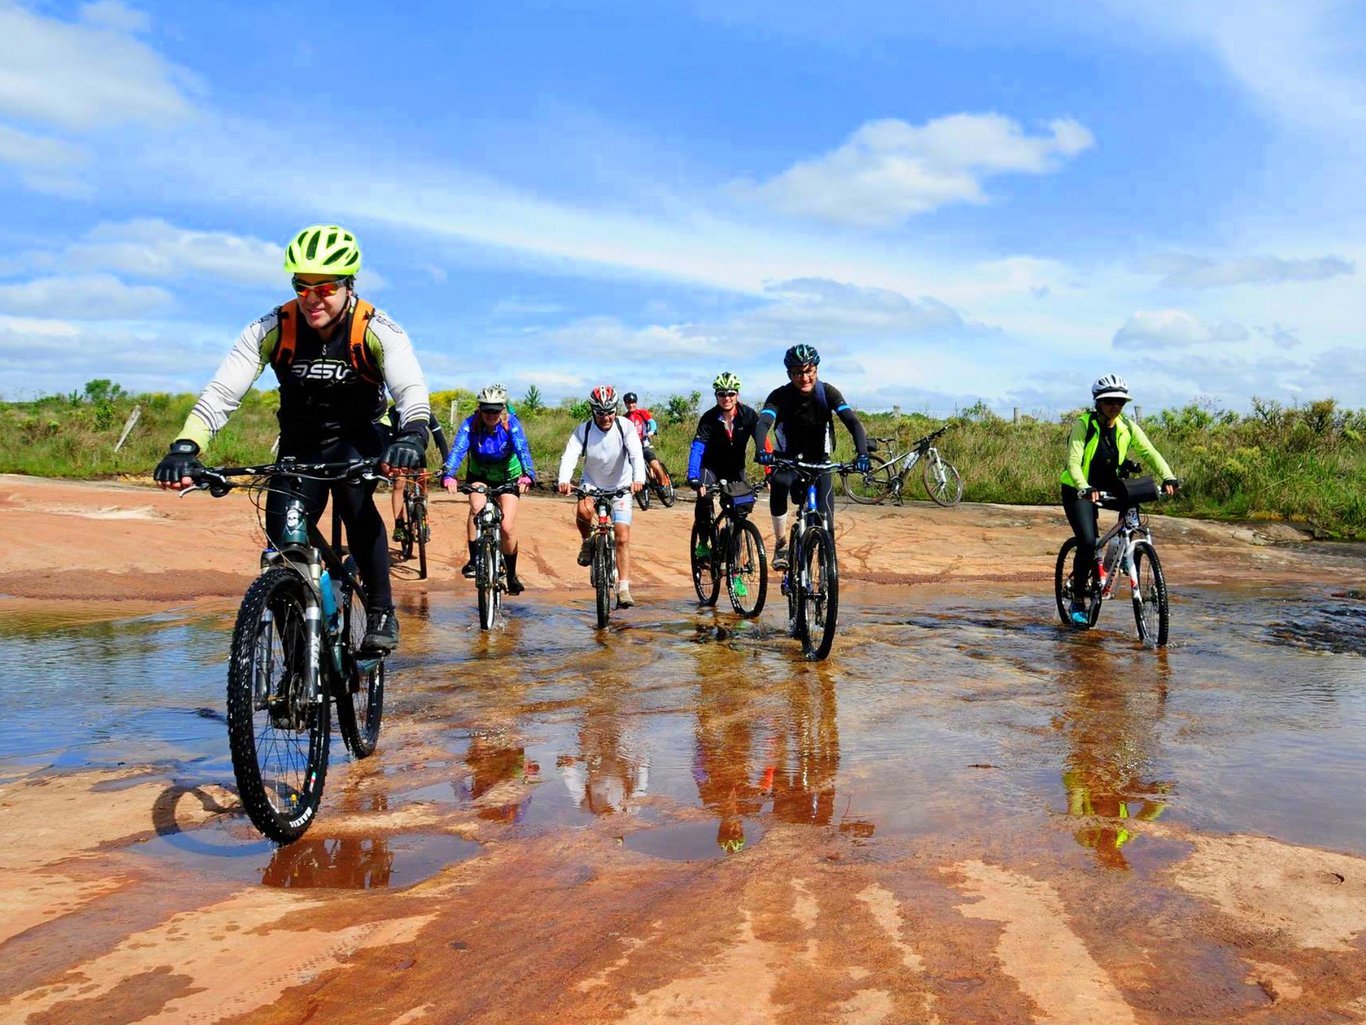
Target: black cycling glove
[
  {"x": 405, "y": 452},
  {"x": 181, "y": 461}
]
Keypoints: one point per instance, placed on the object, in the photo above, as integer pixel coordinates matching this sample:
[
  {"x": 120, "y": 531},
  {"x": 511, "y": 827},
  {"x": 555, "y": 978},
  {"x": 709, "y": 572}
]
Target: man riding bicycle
[
  {"x": 334, "y": 355},
  {"x": 499, "y": 453},
  {"x": 438, "y": 436},
  {"x": 802, "y": 411},
  {"x": 1097, "y": 450},
  {"x": 718, "y": 450},
  {"x": 612, "y": 459},
  {"x": 646, "y": 428}
]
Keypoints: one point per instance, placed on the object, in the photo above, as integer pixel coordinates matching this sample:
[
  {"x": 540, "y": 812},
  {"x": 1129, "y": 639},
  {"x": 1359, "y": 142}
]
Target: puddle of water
[
  {"x": 938, "y": 714},
  {"x": 696, "y": 841}
]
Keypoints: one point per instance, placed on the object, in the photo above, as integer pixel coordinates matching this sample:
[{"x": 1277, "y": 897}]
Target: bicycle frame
[{"x": 1128, "y": 531}]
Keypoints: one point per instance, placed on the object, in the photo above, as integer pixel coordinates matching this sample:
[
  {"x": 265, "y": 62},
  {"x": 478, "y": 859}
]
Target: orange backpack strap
[
  {"x": 283, "y": 355},
  {"x": 361, "y": 359}
]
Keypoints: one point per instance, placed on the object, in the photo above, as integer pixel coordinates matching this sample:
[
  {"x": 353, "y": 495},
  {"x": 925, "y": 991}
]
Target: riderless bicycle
[
  {"x": 296, "y": 647},
  {"x": 888, "y": 477}
]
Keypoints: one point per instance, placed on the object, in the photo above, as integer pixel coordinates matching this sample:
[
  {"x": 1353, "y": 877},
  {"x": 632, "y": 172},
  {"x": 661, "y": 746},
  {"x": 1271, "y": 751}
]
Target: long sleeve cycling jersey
[
  {"x": 322, "y": 396},
  {"x": 803, "y": 421},
  {"x": 720, "y": 447},
  {"x": 1087, "y": 436},
  {"x": 611, "y": 459},
  {"x": 505, "y": 448}
]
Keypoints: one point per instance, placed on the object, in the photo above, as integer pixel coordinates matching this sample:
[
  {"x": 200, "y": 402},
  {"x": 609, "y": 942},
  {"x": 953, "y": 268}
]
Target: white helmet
[
  {"x": 493, "y": 395},
  {"x": 1111, "y": 386}
]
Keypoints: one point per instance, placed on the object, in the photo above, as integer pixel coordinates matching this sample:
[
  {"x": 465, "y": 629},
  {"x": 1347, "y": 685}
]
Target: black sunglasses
[{"x": 726, "y": 394}]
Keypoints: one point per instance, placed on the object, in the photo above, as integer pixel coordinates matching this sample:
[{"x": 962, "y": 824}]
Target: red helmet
[{"x": 603, "y": 399}]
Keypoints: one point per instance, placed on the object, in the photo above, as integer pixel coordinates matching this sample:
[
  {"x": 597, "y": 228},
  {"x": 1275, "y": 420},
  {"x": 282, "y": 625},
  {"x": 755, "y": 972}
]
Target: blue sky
[{"x": 953, "y": 202}]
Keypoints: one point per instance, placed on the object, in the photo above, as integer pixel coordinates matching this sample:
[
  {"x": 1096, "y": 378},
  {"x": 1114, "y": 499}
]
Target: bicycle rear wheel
[
  {"x": 1151, "y": 611},
  {"x": 796, "y": 620},
  {"x": 603, "y": 572},
  {"x": 747, "y": 573},
  {"x": 486, "y": 570},
  {"x": 1062, "y": 588},
  {"x": 643, "y": 496},
  {"x": 277, "y": 736},
  {"x": 943, "y": 482},
  {"x": 869, "y": 488},
  {"x": 704, "y": 579},
  {"x": 820, "y": 593},
  {"x": 361, "y": 707}
]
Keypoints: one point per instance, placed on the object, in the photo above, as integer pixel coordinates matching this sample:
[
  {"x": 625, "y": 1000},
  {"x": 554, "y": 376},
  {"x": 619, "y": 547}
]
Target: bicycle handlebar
[
  {"x": 583, "y": 492},
  {"x": 217, "y": 479},
  {"x": 809, "y": 469},
  {"x": 509, "y": 487}
]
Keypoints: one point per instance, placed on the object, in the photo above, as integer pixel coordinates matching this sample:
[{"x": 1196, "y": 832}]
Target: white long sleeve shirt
[{"x": 611, "y": 459}]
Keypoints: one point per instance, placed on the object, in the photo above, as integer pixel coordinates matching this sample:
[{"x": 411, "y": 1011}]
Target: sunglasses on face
[
  {"x": 727, "y": 394},
  {"x": 491, "y": 410},
  {"x": 802, "y": 372},
  {"x": 1111, "y": 402},
  {"x": 322, "y": 289}
]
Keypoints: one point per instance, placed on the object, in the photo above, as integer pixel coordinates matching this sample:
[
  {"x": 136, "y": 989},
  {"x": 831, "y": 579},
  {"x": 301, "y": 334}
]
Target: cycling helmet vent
[
  {"x": 726, "y": 381},
  {"x": 323, "y": 249},
  {"x": 801, "y": 356},
  {"x": 493, "y": 395},
  {"x": 603, "y": 399}
]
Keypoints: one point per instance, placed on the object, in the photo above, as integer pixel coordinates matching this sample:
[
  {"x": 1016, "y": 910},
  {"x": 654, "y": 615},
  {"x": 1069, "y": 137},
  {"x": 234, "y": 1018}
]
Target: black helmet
[
  {"x": 630, "y": 396},
  {"x": 801, "y": 356}
]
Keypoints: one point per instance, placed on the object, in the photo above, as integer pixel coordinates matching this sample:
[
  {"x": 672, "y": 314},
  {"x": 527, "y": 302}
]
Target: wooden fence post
[{"x": 128, "y": 426}]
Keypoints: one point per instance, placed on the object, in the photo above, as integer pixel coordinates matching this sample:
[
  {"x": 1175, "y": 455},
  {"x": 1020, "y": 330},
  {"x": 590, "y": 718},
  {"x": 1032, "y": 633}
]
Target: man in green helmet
[{"x": 334, "y": 355}]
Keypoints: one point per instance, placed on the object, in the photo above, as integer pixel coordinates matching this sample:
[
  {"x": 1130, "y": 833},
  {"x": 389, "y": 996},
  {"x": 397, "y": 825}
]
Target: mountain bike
[
  {"x": 735, "y": 553},
  {"x": 419, "y": 531},
  {"x": 490, "y": 571},
  {"x": 888, "y": 477},
  {"x": 666, "y": 492},
  {"x": 1127, "y": 546},
  {"x": 296, "y": 647},
  {"x": 811, "y": 581},
  {"x": 603, "y": 567}
]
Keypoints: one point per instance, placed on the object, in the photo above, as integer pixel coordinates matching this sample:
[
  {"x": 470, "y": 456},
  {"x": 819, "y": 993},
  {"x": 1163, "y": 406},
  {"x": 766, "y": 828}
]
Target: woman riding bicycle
[
  {"x": 499, "y": 453},
  {"x": 718, "y": 449},
  {"x": 1097, "y": 450}
]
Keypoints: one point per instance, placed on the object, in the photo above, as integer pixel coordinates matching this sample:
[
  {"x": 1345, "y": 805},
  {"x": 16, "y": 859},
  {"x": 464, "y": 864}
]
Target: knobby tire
[
  {"x": 603, "y": 571},
  {"x": 871, "y": 488},
  {"x": 1062, "y": 588},
  {"x": 747, "y": 572},
  {"x": 486, "y": 572},
  {"x": 820, "y": 594},
  {"x": 949, "y": 491},
  {"x": 704, "y": 577},
  {"x": 279, "y": 750},
  {"x": 1152, "y": 613},
  {"x": 360, "y": 705}
]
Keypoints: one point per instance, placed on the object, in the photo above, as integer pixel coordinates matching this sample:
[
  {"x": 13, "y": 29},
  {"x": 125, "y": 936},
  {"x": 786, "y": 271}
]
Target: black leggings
[
  {"x": 1084, "y": 517},
  {"x": 365, "y": 533},
  {"x": 786, "y": 482}
]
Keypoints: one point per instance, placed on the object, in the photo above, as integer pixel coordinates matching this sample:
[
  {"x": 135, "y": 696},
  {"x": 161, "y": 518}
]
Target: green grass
[{"x": 1303, "y": 464}]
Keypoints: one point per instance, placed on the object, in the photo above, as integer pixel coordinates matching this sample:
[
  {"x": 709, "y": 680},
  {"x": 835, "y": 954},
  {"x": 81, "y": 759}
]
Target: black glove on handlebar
[
  {"x": 179, "y": 462},
  {"x": 405, "y": 452}
]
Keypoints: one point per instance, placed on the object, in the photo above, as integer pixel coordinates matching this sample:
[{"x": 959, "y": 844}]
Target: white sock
[
  {"x": 780, "y": 528},
  {"x": 623, "y": 585}
]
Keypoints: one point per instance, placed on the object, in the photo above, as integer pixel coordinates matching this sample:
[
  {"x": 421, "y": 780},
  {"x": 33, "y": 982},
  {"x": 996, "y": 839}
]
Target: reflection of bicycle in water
[
  {"x": 1109, "y": 724},
  {"x": 341, "y": 863},
  {"x": 610, "y": 768},
  {"x": 495, "y": 762}
]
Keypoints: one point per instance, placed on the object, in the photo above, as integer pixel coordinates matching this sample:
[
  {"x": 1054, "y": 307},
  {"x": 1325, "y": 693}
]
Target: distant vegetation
[{"x": 1305, "y": 464}]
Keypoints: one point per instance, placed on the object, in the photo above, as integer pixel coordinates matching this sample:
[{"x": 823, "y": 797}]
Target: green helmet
[
  {"x": 323, "y": 249},
  {"x": 726, "y": 381}
]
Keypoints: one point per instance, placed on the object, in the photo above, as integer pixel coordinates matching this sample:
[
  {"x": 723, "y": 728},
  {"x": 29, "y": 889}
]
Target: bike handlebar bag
[
  {"x": 1139, "y": 490},
  {"x": 741, "y": 495}
]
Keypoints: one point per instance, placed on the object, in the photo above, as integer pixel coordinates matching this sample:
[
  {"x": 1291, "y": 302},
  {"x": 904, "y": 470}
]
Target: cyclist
[
  {"x": 334, "y": 355},
  {"x": 396, "y": 500},
  {"x": 802, "y": 411},
  {"x": 612, "y": 459},
  {"x": 718, "y": 449},
  {"x": 499, "y": 452},
  {"x": 646, "y": 428},
  {"x": 1097, "y": 450}
]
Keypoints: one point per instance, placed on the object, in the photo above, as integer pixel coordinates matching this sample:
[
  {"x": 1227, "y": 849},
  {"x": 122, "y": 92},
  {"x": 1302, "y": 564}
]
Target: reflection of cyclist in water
[
  {"x": 1109, "y": 724},
  {"x": 609, "y": 769},
  {"x": 345, "y": 863},
  {"x": 492, "y": 760}
]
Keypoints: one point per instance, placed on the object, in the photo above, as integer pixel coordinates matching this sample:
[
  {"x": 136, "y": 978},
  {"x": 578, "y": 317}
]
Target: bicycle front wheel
[
  {"x": 747, "y": 574},
  {"x": 603, "y": 573},
  {"x": 361, "y": 706},
  {"x": 1151, "y": 611},
  {"x": 420, "y": 531},
  {"x": 667, "y": 494},
  {"x": 1063, "y": 589},
  {"x": 704, "y": 579},
  {"x": 943, "y": 482},
  {"x": 487, "y": 566},
  {"x": 869, "y": 488},
  {"x": 643, "y": 496},
  {"x": 277, "y": 736},
  {"x": 820, "y": 593}
]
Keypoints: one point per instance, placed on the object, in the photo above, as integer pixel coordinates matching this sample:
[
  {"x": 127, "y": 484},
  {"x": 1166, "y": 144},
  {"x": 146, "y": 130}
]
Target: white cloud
[
  {"x": 889, "y": 170},
  {"x": 85, "y": 75},
  {"x": 1168, "y": 329},
  {"x": 152, "y": 248},
  {"x": 87, "y": 297},
  {"x": 1186, "y": 271},
  {"x": 114, "y": 15}
]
